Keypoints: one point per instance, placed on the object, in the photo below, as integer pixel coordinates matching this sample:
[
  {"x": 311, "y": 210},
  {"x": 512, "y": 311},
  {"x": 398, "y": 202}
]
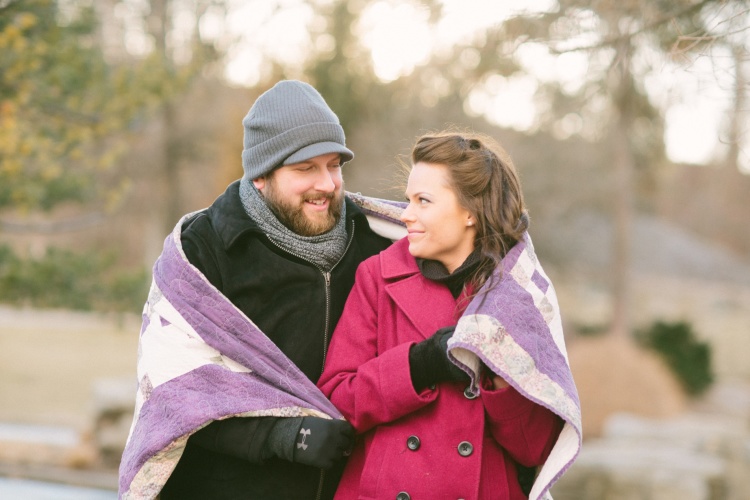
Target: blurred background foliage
[
  {"x": 686, "y": 355},
  {"x": 116, "y": 117}
]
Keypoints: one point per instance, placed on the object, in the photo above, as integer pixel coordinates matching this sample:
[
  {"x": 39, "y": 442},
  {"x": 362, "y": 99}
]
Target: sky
[{"x": 694, "y": 96}]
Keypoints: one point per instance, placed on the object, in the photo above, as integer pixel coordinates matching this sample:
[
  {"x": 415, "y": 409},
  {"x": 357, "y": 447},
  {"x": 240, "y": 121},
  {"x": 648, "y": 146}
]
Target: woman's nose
[{"x": 407, "y": 215}]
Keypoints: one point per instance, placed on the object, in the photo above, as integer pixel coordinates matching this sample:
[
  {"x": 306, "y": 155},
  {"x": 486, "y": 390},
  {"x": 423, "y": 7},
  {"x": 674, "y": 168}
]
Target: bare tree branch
[{"x": 615, "y": 40}]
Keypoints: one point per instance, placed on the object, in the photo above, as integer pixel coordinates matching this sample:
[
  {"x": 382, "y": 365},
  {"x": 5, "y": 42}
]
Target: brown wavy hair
[{"x": 486, "y": 184}]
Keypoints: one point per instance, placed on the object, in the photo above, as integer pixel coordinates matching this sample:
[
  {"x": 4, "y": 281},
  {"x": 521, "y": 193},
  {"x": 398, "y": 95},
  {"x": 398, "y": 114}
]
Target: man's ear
[{"x": 259, "y": 183}]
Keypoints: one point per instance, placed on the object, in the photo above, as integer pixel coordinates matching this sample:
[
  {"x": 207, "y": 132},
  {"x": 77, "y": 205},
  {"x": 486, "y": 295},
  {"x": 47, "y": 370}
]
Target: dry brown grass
[
  {"x": 615, "y": 375},
  {"x": 50, "y": 359}
]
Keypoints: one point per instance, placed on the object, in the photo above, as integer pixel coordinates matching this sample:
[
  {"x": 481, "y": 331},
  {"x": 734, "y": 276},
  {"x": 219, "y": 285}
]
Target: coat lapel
[{"x": 428, "y": 305}]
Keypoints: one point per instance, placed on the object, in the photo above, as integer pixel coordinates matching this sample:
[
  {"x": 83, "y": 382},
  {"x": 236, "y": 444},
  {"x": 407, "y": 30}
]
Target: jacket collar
[
  {"x": 428, "y": 305},
  {"x": 234, "y": 223},
  {"x": 397, "y": 262}
]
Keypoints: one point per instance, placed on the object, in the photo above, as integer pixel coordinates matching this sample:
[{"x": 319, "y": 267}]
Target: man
[{"x": 282, "y": 245}]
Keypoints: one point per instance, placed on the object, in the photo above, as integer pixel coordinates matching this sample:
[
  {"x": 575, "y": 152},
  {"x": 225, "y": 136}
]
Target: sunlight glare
[
  {"x": 696, "y": 101},
  {"x": 506, "y": 102},
  {"x": 463, "y": 19},
  {"x": 397, "y": 37},
  {"x": 690, "y": 134},
  {"x": 266, "y": 33}
]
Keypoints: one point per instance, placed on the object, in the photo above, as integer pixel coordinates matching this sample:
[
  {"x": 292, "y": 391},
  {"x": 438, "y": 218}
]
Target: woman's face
[{"x": 438, "y": 227}]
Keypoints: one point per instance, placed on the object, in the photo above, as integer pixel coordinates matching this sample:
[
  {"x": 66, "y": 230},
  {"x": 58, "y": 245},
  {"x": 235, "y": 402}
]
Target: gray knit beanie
[{"x": 289, "y": 123}]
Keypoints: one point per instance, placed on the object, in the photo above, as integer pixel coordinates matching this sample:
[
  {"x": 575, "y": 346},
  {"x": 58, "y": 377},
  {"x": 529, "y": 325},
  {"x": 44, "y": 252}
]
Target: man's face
[{"x": 307, "y": 197}]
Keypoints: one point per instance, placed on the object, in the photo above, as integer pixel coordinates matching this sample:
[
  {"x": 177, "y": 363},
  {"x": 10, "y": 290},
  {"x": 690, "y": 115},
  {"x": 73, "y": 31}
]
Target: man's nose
[{"x": 325, "y": 181}]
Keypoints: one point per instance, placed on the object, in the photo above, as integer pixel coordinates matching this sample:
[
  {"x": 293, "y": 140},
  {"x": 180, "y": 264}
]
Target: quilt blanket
[
  {"x": 513, "y": 327},
  {"x": 200, "y": 359}
]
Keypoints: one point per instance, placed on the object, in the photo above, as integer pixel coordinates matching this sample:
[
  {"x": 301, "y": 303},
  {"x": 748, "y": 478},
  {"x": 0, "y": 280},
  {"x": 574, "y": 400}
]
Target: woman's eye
[{"x": 423, "y": 201}]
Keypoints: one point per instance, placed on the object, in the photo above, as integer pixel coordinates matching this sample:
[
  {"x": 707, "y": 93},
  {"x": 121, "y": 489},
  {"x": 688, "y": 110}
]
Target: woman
[{"x": 422, "y": 433}]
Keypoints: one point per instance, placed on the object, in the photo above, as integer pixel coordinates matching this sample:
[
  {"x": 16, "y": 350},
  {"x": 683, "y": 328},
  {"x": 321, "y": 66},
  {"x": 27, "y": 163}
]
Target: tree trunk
[
  {"x": 623, "y": 207},
  {"x": 737, "y": 117},
  {"x": 623, "y": 196},
  {"x": 165, "y": 181}
]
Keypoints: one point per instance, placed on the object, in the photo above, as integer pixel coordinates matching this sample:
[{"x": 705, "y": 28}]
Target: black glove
[
  {"x": 314, "y": 441},
  {"x": 429, "y": 363}
]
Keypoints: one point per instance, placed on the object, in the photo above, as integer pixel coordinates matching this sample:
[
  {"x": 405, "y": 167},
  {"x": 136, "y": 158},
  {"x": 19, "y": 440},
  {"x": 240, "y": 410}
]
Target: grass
[{"x": 49, "y": 361}]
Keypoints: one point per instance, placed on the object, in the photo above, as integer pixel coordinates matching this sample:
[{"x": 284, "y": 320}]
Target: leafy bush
[
  {"x": 63, "y": 279},
  {"x": 689, "y": 358}
]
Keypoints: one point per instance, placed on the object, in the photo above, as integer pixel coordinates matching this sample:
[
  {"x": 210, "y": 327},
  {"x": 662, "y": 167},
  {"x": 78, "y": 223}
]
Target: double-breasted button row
[{"x": 465, "y": 448}]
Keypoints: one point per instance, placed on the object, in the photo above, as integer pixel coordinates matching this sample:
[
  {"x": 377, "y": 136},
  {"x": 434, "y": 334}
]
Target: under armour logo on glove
[
  {"x": 332, "y": 438},
  {"x": 305, "y": 433}
]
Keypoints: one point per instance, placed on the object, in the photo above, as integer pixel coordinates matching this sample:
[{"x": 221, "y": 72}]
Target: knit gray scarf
[{"x": 323, "y": 250}]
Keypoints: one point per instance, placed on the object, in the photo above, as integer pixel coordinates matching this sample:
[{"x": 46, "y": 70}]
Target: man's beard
[{"x": 292, "y": 214}]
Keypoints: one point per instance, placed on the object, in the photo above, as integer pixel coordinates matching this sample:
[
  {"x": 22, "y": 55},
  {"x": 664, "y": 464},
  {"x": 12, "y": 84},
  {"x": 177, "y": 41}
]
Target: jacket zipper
[
  {"x": 327, "y": 276},
  {"x": 327, "y": 279},
  {"x": 320, "y": 484}
]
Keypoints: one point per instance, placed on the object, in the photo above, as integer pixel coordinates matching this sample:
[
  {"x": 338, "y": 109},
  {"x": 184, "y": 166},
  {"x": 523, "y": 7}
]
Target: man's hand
[{"x": 321, "y": 442}]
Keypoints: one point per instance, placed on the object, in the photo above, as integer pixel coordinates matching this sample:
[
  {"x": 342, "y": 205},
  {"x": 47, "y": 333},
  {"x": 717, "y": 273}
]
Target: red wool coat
[{"x": 437, "y": 444}]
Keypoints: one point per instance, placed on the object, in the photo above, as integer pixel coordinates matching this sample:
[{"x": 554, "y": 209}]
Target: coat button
[
  {"x": 413, "y": 443},
  {"x": 403, "y": 496},
  {"x": 469, "y": 394},
  {"x": 465, "y": 448}
]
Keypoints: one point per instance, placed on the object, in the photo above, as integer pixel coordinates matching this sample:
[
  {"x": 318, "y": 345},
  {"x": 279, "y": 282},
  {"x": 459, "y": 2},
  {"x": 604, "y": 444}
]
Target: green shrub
[
  {"x": 689, "y": 358},
  {"x": 63, "y": 279},
  {"x": 591, "y": 330}
]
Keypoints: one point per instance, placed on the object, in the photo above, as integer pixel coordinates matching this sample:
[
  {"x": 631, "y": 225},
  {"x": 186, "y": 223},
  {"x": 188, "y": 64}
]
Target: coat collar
[
  {"x": 428, "y": 305},
  {"x": 397, "y": 262}
]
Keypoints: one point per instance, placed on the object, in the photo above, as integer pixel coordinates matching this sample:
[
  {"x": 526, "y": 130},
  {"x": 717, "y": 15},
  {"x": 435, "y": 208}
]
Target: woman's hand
[{"x": 499, "y": 382}]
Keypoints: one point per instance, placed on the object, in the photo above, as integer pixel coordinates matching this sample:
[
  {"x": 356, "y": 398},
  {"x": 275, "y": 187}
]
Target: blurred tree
[
  {"x": 64, "y": 109},
  {"x": 75, "y": 77},
  {"x": 720, "y": 33},
  {"x": 183, "y": 62},
  {"x": 624, "y": 41},
  {"x": 167, "y": 33},
  {"x": 68, "y": 110},
  {"x": 722, "y": 38}
]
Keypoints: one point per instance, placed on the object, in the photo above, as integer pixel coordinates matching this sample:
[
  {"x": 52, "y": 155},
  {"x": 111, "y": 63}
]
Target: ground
[{"x": 49, "y": 361}]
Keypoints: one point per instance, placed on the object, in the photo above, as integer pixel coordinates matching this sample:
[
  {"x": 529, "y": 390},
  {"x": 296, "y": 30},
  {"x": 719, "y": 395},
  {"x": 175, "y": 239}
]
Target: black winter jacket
[{"x": 297, "y": 305}]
